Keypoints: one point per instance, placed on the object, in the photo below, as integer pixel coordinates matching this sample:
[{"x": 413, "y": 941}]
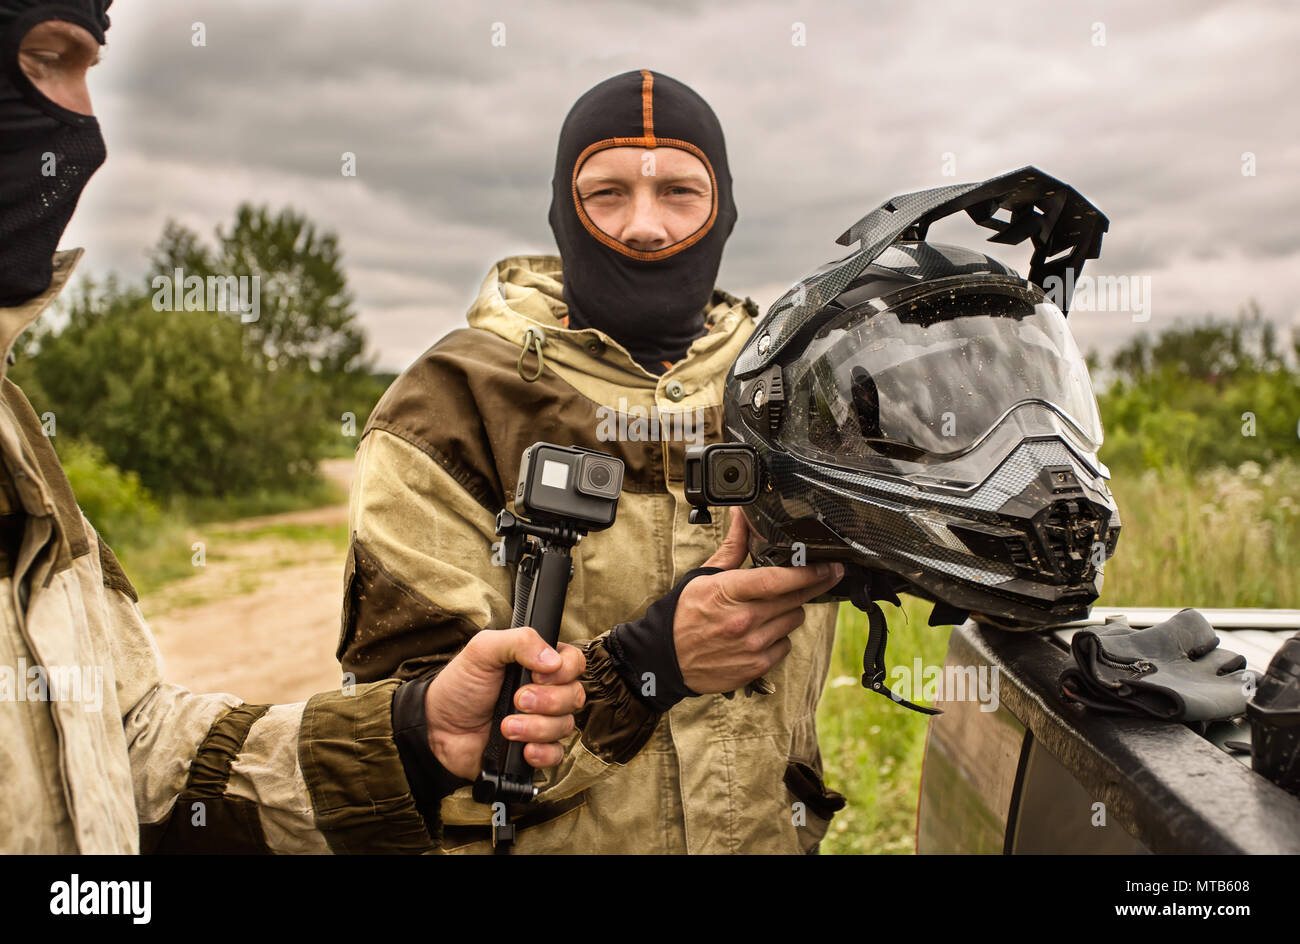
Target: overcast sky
[{"x": 1147, "y": 109}]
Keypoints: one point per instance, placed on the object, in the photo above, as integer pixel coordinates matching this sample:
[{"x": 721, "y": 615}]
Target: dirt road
[{"x": 260, "y": 618}]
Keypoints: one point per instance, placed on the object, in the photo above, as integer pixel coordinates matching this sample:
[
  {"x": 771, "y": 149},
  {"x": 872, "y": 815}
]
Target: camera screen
[{"x": 555, "y": 474}]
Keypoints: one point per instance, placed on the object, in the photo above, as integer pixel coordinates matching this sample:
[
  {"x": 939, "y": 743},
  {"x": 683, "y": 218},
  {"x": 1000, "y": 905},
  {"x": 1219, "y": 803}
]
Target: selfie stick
[{"x": 545, "y": 566}]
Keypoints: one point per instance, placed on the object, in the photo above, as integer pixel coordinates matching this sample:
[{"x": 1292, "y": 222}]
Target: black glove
[
  {"x": 428, "y": 779},
  {"x": 646, "y": 645},
  {"x": 1172, "y": 671}
]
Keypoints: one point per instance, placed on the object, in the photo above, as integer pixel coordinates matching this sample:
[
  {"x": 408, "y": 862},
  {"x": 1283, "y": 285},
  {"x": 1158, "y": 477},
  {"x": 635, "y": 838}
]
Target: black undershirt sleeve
[{"x": 644, "y": 652}]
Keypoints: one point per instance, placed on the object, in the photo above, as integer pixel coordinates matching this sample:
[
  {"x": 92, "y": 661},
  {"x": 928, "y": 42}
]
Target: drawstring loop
[{"x": 533, "y": 339}]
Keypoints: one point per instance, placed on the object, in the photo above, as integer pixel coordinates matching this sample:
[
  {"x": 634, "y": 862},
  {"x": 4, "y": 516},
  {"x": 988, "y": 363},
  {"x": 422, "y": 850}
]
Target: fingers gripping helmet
[{"x": 922, "y": 413}]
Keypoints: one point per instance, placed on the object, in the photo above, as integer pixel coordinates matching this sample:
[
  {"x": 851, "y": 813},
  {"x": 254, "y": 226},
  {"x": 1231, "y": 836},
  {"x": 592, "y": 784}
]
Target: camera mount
[
  {"x": 542, "y": 553},
  {"x": 567, "y": 492}
]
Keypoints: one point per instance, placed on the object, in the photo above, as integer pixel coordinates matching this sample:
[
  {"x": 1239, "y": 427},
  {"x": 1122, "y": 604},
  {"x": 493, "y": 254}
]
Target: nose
[
  {"x": 77, "y": 97},
  {"x": 645, "y": 228}
]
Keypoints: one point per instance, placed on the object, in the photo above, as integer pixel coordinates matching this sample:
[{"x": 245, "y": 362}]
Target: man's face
[
  {"x": 55, "y": 56},
  {"x": 646, "y": 198}
]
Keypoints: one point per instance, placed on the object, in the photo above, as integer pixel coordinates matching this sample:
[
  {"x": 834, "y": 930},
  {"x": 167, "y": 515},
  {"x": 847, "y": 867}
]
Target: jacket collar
[
  {"x": 18, "y": 318},
  {"x": 523, "y": 292}
]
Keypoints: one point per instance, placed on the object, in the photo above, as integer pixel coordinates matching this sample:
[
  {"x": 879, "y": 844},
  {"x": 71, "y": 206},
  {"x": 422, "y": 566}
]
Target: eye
[
  {"x": 46, "y": 52},
  {"x": 39, "y": 63}
]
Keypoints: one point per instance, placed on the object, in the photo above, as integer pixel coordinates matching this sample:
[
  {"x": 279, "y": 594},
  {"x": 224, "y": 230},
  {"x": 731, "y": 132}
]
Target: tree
[
  {"x": 306, "y": 319},
  {"x": 1209, "y": 350},
  {"x": 1211, "y": 393},
  {"x": 202, "y": 402},
  {"x": 175, "y": 397}
]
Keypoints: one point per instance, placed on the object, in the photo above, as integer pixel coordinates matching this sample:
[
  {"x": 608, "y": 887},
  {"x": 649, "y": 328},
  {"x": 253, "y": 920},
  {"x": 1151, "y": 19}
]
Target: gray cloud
[{"x": 455, "y": 137}]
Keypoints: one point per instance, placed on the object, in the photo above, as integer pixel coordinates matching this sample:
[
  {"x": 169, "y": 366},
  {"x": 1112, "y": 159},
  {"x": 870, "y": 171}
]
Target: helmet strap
[{"x": 873, "y": 657}]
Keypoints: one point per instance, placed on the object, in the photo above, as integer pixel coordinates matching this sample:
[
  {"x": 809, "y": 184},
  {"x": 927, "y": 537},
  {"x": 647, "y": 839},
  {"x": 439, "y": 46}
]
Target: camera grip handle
[{"x": 539, "y": 603}]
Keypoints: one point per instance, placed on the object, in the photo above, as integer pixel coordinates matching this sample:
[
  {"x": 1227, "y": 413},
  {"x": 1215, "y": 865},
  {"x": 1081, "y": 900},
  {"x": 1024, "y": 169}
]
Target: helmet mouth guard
[{"x": 1025, "y": 547}]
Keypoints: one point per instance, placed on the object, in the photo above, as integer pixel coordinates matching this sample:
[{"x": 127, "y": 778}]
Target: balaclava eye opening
[
  {"x": 47, "y": 152},
  {"x": 651, "y": 302}
]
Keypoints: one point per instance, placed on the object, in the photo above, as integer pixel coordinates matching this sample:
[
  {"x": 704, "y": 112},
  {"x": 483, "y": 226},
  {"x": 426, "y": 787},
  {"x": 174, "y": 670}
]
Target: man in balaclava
[
  {"x": 101, "y": 754},
  {"x": 651, "y": 302},
  {"x": 620, "y": 344},
  {"x": 47, "y": 151}
]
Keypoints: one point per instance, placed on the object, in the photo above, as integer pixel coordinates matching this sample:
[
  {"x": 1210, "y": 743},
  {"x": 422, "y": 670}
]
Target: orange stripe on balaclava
[{"x": 651, "y": 302}]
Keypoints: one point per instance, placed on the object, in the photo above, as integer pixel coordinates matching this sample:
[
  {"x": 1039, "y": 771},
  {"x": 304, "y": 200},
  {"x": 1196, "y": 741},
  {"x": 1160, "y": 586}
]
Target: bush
[
  {"x": 1215, "y": 394},
  {"x": 120, "y": 508},
  {"x": 176, "y": 397}
]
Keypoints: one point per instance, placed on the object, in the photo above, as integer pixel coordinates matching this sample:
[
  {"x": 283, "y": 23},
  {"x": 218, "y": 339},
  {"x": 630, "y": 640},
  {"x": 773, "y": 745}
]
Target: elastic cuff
[
  {"x": 428, "y": 779},
  {"x": 615, "y": 724},
  {"x": 645, "y": 655},
  {"x": 360, "y": 794}
]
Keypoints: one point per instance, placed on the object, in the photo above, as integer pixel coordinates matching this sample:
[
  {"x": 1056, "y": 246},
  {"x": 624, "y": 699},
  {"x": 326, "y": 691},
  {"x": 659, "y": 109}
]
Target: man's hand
[
  {"x": 460, "y": 701},
  {"x": 730, "y": 628}
]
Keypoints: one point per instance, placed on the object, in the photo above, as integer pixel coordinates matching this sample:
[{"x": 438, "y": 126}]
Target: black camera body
[
  {"x": 720, "y": 474},
  {"x": 569, "y": 484}
]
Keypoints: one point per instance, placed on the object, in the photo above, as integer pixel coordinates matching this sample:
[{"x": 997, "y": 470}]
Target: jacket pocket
[{"x": 819, "y": 803}]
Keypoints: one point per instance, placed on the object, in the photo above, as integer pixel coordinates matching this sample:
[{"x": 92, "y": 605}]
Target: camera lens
[
  {"x": 733, "y": 475},
  {"x": 601, "y": 477}
]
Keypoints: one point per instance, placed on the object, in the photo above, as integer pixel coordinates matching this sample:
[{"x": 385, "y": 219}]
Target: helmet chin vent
[{"x": 1073, "y": 534}]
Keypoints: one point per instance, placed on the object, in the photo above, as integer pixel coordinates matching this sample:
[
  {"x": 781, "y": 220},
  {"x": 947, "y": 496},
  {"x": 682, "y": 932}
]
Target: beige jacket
[
  {"x": 438, "y": 459},
  {"x": 101, "y": 755}
]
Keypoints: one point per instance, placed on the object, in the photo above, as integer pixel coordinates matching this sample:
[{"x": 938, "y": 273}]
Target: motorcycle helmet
[{"x": 922, "y": 414}]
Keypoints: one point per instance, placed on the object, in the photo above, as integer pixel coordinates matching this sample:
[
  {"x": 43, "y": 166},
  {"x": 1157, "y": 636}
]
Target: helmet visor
[{"x": 926, "y": 373}]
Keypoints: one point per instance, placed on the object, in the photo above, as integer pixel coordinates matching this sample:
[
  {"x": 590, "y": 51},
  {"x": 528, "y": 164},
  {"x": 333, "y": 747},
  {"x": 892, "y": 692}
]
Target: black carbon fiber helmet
[{"x": 922, "y": 413}]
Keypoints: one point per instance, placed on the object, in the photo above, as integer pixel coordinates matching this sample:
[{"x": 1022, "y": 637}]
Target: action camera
[
  {"x": 720, "y": 474},
  {"x": 570, "y": 484}
]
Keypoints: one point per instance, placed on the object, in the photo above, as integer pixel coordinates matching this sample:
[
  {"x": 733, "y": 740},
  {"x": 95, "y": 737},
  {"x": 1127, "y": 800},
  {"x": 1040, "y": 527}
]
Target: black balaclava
[
  {"x": 47, "y": 153},
  {"x": 651, "y": 302}
]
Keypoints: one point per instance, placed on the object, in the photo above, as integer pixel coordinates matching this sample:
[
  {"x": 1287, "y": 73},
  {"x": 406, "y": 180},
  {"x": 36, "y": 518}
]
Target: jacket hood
[
  {"x": 16, "y": 319},
  {"x": 521, "y": 293}
]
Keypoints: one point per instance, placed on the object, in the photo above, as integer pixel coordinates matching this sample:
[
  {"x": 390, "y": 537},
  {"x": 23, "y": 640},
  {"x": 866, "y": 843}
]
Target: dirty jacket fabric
[
  {"x": 439, "y": 458},
  {"x": 102, "y": 755}
]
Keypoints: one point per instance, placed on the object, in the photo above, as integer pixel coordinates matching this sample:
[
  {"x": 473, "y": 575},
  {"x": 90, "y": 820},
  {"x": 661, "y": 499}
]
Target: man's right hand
[{"x": 732, "y": 627}]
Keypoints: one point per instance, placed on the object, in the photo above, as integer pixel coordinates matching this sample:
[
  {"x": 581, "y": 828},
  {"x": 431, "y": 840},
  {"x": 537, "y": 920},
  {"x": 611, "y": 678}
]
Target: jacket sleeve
[
  {"x": 214, "y": 774},
  {"x": 423, "y": 577}
]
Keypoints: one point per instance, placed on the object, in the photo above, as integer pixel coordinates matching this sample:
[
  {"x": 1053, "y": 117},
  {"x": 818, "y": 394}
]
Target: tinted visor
[{"x": 926, "y": 373}]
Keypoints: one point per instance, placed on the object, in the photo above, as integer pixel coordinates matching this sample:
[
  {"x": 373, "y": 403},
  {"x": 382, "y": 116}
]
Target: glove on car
[{"x": 1173, "y": 671}]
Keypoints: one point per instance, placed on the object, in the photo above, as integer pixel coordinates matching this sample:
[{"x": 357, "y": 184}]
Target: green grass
[
  {"x": 162, "y": 552},
  {"x": 334, "y": 534},
  {"x": 255, "y": 504},
  {"x": 1222, "y": 537},
  {"x": 1218, "y": 538},
  {"x": 872, "y": 747},
  {"x": 159, "y": 556}
]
